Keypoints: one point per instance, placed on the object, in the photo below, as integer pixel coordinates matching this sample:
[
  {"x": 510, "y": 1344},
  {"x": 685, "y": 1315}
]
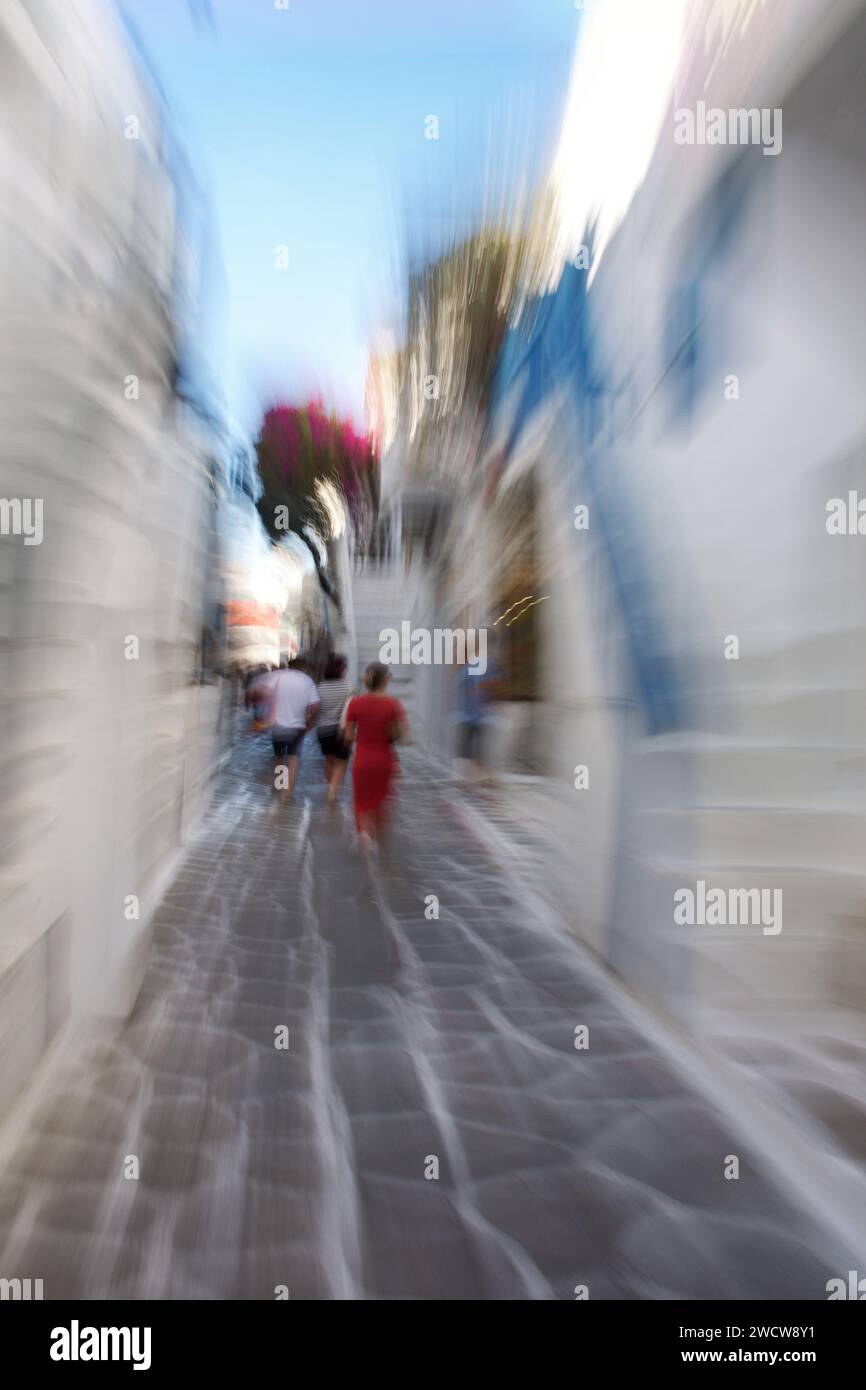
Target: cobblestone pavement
[{"x": 409, "y": 1040}]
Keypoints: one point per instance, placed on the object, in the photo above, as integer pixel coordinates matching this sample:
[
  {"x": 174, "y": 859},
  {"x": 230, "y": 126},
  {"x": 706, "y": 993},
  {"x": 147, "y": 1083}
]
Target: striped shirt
[{"x": 333, "y": 695}]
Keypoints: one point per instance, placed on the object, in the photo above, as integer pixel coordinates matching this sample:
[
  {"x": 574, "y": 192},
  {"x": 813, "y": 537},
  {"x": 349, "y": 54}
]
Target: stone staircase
[{"x": 776, "y": 802}]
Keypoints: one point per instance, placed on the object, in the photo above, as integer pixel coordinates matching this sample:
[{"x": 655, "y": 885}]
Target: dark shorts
[
  {"x": 287, "y": 742},
  {"x": 471, "y": 741},
  {"x": 332, "y": 743}
]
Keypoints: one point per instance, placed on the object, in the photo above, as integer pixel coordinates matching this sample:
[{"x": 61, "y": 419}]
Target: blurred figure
[
  {"x": 257, "y": 697},
  {"x": 334, "y": 693},
  {"x": 294, "y": 711},
  {"x": 474, "y": 718},
  {"x": 374, "y": 722}
]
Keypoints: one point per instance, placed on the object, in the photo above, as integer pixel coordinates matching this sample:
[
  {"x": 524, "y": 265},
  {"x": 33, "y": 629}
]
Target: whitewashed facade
[
  {"x": 110, "y": 738},
  {"x": 727, "y": 316}
]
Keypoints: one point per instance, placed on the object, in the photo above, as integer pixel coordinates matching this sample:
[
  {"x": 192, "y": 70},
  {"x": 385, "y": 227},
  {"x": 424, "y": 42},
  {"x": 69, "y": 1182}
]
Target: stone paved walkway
[{"x": 410, "y": 1040}]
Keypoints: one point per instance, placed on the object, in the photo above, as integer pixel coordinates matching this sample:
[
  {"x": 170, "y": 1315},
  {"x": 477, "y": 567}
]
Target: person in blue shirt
[{"x": 474, "y": 716}]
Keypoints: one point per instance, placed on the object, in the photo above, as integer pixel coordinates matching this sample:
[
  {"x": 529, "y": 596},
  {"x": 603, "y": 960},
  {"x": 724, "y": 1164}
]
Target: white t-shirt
[{"x": 293, "y": 691}]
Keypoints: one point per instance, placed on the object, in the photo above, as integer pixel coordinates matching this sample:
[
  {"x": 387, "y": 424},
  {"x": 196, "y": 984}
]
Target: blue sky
[{"x": 306, "y": 129}]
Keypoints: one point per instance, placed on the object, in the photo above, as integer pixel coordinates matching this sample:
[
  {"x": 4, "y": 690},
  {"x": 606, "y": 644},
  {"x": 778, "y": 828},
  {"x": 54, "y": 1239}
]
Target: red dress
[{"x": 375, "y": 764}]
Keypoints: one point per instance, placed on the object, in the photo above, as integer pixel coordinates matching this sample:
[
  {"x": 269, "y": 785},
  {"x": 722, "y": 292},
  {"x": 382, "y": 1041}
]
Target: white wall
[
  {"x": 731, "y": 499},
  {"x": 761, "y": 785},
  {"x": 107, "y": 761}
]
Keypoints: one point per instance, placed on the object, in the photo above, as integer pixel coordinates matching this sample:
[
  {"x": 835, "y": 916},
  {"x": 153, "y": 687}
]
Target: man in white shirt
[{"x": 294, "y": 710}]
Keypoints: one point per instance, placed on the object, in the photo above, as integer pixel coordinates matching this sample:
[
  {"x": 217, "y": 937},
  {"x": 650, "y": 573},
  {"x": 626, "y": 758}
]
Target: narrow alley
[
  {"x": 431, "y": 1129},
  {"x": 432, "y": 672}
]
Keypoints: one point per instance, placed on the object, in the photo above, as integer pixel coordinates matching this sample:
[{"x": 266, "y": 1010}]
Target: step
[
  {"x": 802, "y": 659},
  {"x": 818, "y": 957},
  {"x": 723, "y": 770},
  {"x": 754, "y": 836},
  {"x": 809, "y": 716}
]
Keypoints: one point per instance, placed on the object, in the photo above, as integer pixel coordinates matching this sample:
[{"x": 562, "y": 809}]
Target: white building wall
[
  {"x": 731, "y": 505},
  {"x": 108, "y": 762}
]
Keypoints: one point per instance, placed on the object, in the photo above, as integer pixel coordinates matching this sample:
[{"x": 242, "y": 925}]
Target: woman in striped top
[{"x": 334, "y": 692}]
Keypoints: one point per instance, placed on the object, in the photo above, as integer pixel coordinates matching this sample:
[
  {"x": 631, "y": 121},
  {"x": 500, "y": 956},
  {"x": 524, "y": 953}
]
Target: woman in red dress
[{"x": 374, "y": 723}]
